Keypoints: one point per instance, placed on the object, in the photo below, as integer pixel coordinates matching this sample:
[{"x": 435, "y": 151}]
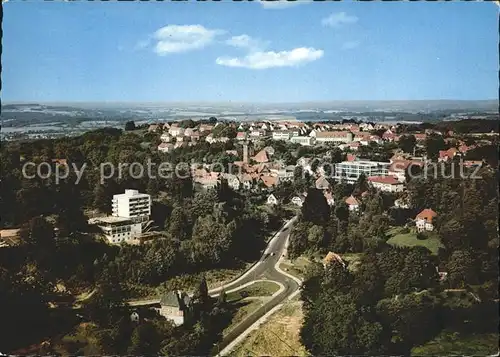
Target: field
[
  {"x": 262, "y": 288},
  {"x": 279, "y": 336},
  {"x": 452, "y": 343},
  {"x": 409, "y": 239},
  {"x": 296, "y": 267},
  {"x": 242, "y": 309}
]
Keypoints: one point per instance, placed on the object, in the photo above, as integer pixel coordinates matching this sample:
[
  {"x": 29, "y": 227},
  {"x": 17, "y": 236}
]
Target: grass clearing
[
  {"x": 353, "y": 260},
  {"x": 279, "y": 336},
  {"x": 452, "y": 343},
  {"x": 401, "y": 238},
  {"x": 242, "y": 309},
  {"x": 263, "y": 288},
  {"x": 296, "y": 267}
]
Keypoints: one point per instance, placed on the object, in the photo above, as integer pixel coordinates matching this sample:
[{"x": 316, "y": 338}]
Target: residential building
[
  {"x": 174, "y": 306},
  {"x": 298, "y": 200},
  {"x": 153, "y": 128},
  {"x": 351, "y": 170},
  {"x": 261, "y": 157},
  {"x": 302, "y": 140},
  {"x": 176, "y": 130},
  {"x": 352, "y": 203},
  {"x": 322, "y": 183},
  {"x": 329, "y": 198},
  {"x": 233, "y": 182},
  {"x": 269, "y": 181},
  {"x": 445, "y": 155},
  {"x": 386, "y": 183},
  {"x": 399, "y": 167},
  {"x": 333, "y": 257},
  {"x": 272, "y": 200},
  {"x": 423, "y": 220},
  {"x": 241, "y": 135}
]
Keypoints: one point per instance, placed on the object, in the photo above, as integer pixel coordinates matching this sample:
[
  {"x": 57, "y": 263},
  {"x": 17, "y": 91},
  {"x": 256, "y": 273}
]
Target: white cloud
[
  {"x": 271, "y": 59},
  {"x": 350, "y": 45},
  {"x": 247, "y": 42},
  {"x": 282, "y": 4},
  {"x": 182, "y": 38},
  {"x": 338, "y": 19}
]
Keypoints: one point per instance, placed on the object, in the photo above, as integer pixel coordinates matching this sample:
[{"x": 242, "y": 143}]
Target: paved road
[{"x": 265, "y": 268}]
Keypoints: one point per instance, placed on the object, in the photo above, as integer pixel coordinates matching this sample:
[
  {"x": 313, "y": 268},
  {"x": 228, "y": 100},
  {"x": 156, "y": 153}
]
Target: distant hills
[{"x": 351, "y": 105}]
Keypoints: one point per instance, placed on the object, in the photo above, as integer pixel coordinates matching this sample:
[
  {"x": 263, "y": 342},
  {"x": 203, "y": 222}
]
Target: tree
[
  {"x": 407, "y": 143},
  {"x": 411, "y": 319},
  {"x": 336, "y": 326},
  {"x": 433, "y": 144},
  {"x": 40, "y": 233},
  {"x": 145, "y": 340},
  {"x": 316, "y": 236},
  {"x": 130, "y": 125},
  {"x": 315, "y": 208},
  {"x": 461, "y": 269},
  {"x": 200, "y": 295}
]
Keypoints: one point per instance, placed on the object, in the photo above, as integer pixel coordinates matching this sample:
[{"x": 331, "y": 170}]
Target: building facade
[{"x": 351, "y": 170}]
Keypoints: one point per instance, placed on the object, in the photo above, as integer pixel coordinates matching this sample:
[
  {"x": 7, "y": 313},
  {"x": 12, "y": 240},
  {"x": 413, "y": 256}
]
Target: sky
[{"x": 249, "y": 51}]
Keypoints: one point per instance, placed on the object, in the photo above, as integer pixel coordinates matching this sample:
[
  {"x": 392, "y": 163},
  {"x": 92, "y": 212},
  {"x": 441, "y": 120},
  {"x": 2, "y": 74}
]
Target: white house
[
  {"x": 423, "y": 220},
  {"x": 298, "y": 200},
  {"x": 176, "y": 130},
  {"x": 272, "y": 200},
  {"x": 233, "y": 182}
]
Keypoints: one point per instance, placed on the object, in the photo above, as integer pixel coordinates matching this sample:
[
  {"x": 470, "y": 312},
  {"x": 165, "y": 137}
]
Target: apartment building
[
  {"x": 351, "y": 170},
  {"x": 302, "y": 140},
  {"x": 281, "y": 135},
  {"x": 132, "y": 204},
  {"x": 334, "y": 137}
]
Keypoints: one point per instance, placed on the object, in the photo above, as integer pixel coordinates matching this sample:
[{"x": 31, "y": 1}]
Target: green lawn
[
  {"x": 409, "y": 239},
  {"x": 242, "y": 309},
  {"x": 296, "y": 267},
  {"x": 263, "y": 288},
  {"x": 452, "y": 343}
]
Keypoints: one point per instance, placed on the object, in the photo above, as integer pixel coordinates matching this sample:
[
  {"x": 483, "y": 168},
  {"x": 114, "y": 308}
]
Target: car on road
[{"x": 272, "y": 254}]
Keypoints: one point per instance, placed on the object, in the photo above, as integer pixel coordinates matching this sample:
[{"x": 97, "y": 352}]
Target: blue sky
[{"x": 251, "y": 52}]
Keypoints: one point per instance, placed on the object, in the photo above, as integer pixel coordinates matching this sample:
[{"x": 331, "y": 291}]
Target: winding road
[{"x": 266, "y": 268}]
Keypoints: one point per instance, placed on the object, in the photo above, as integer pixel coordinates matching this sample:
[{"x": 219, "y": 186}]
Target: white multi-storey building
[
  {"x": 132, "y": 204},
  {"x": 351, "y": 170},
  {"x": 130, "y": 212},
  {"x": 281, "y": 135},
  {"x": 302, "y": 140}
]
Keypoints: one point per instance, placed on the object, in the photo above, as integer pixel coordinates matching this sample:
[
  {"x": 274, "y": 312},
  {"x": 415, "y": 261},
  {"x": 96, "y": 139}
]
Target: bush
[
  {"x": 422, "y": 236},
  {"x": 405, "y": 230}
]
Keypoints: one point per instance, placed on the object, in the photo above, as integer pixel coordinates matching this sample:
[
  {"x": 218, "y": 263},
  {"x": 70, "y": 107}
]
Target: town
[{"x": 249, "y": 178}]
